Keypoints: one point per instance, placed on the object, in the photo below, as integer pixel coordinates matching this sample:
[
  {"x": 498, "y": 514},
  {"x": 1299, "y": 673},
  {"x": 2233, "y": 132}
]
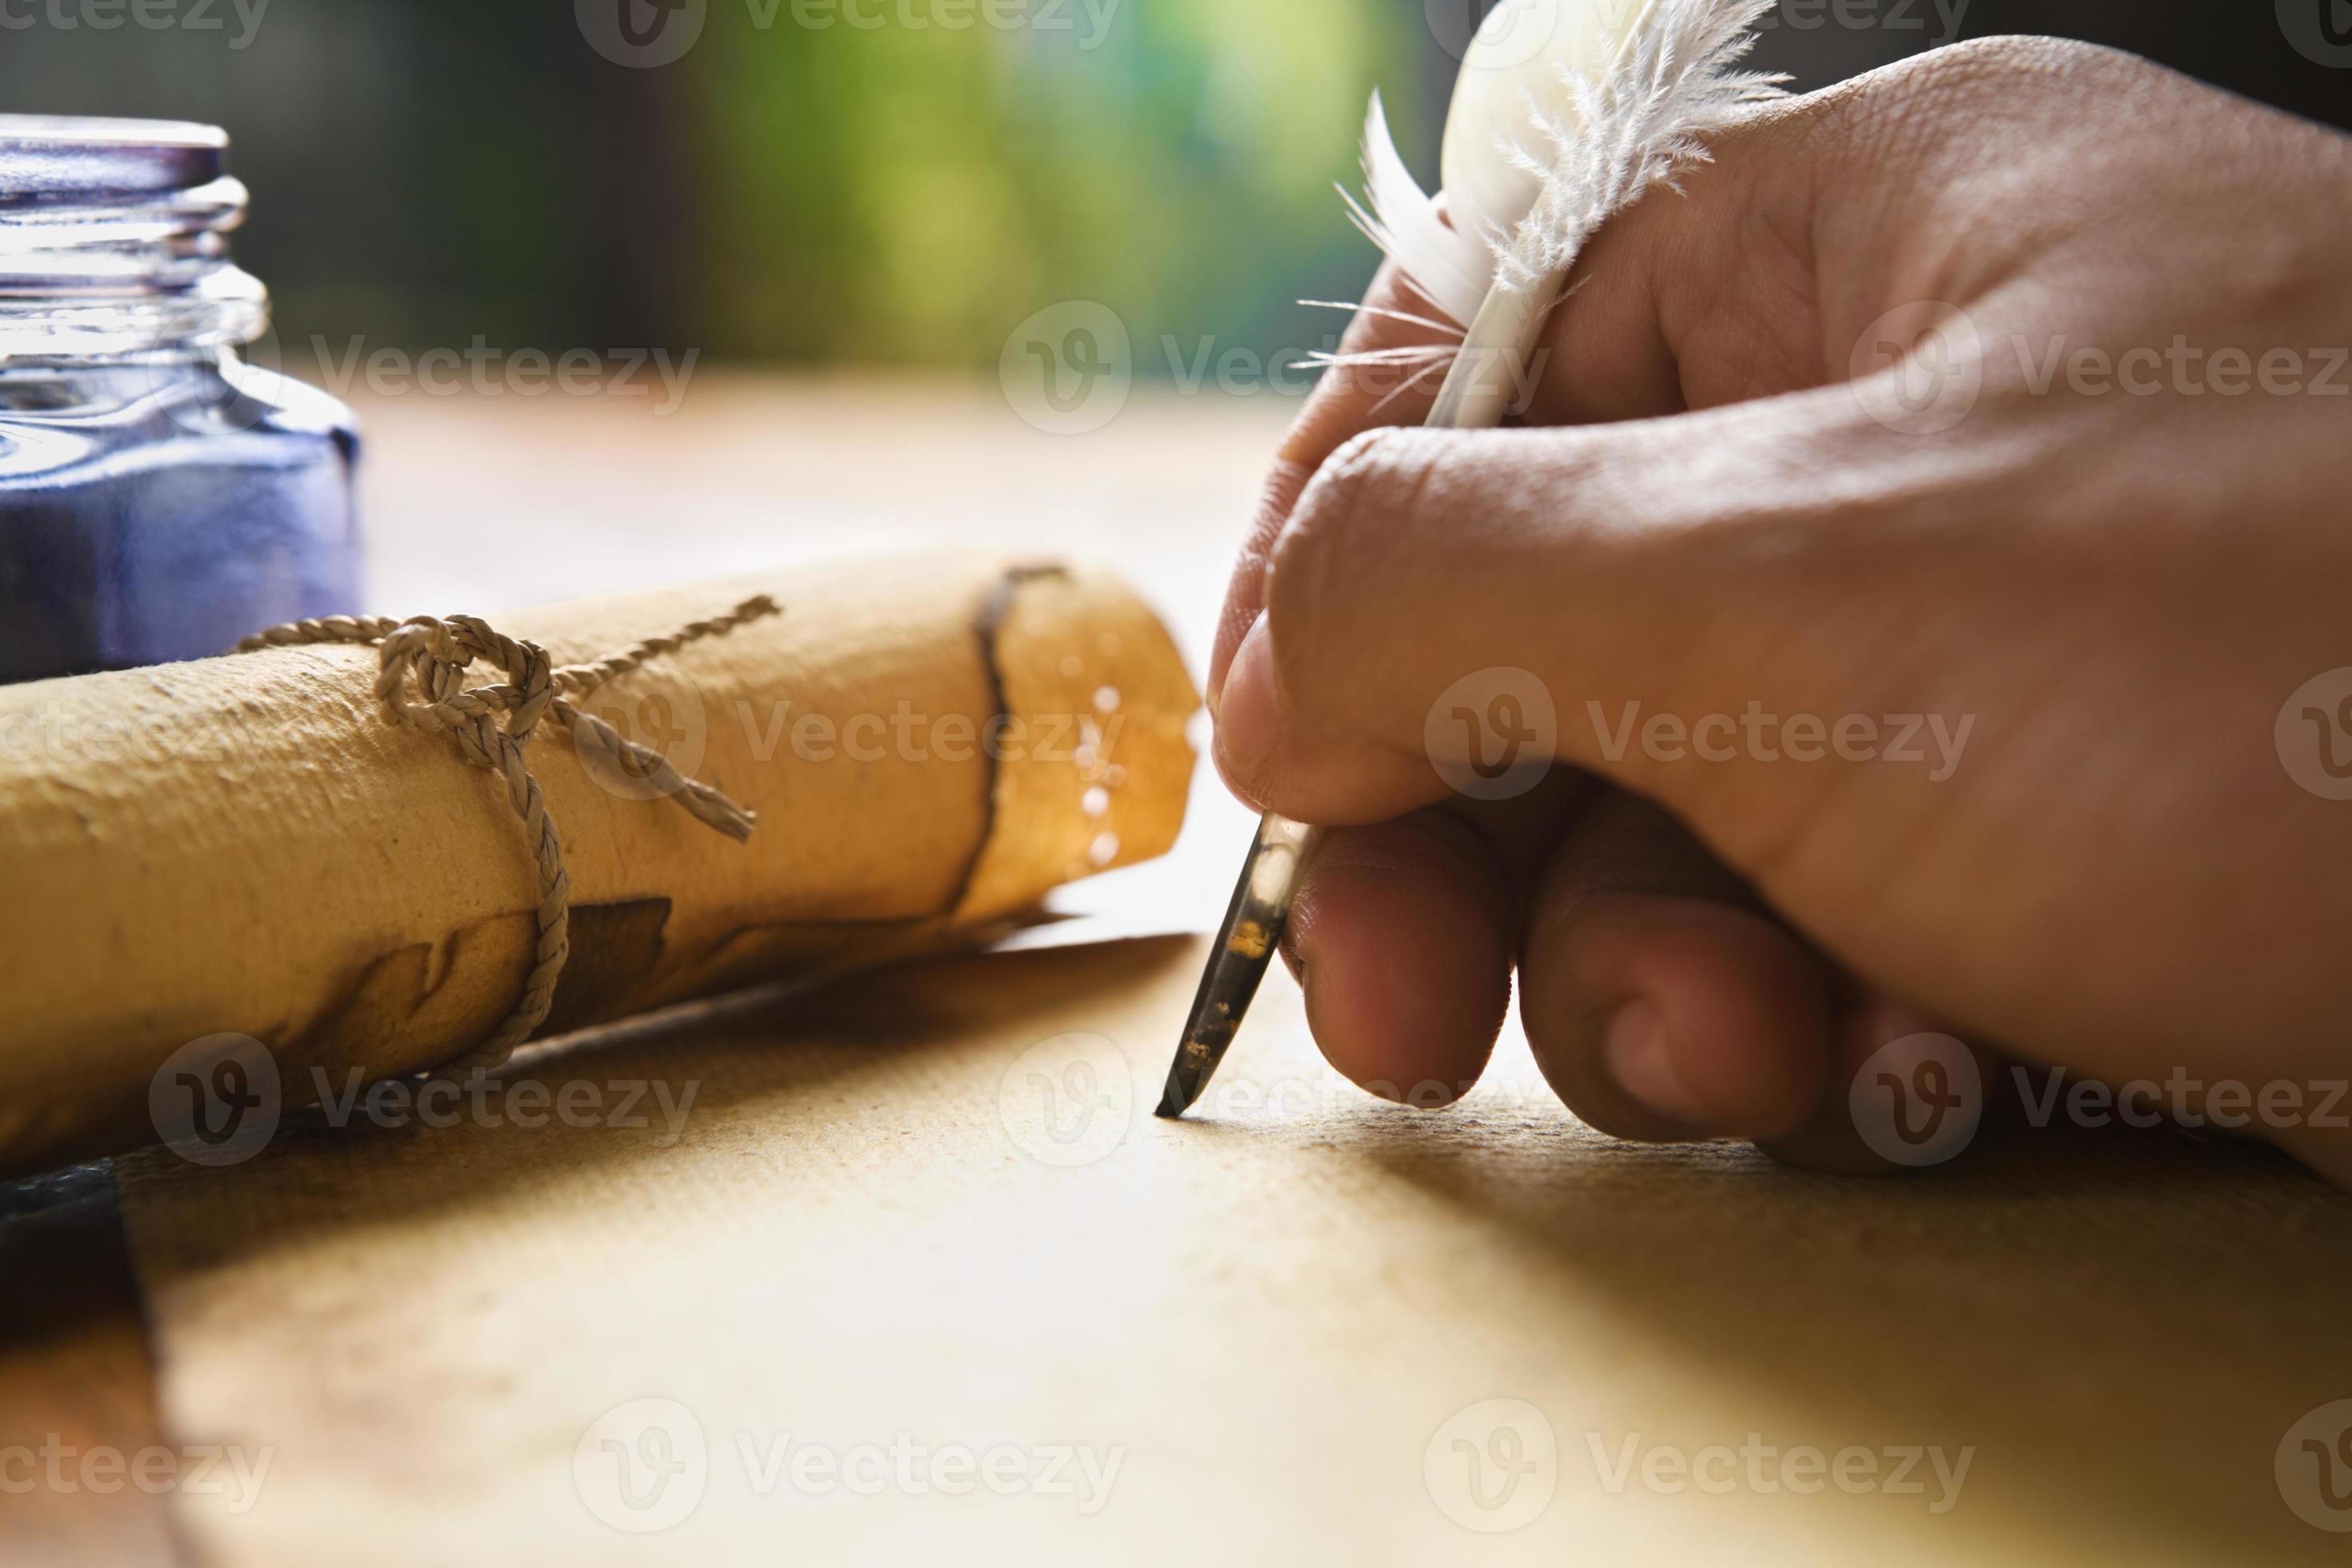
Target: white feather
[
  {"x": 1518, "y": 67},
  {"x": 1638, "y": 124},
  {"x": 1450, "y": 267},
  {"x": 1616, "y": 111}
]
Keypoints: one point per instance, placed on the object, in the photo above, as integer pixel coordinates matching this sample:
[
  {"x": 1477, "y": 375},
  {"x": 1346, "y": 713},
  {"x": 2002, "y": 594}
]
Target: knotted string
[{"x": 492, "y": 724}]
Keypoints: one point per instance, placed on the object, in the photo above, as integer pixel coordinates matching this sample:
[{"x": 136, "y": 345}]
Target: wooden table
[
  {"x": 2128, "y": 1323},
  {"x": 475, "y": 502}
]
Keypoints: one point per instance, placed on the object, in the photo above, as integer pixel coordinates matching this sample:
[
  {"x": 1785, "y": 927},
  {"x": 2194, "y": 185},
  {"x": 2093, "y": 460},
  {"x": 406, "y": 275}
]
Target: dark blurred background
[{"x": 829, "y": 183}]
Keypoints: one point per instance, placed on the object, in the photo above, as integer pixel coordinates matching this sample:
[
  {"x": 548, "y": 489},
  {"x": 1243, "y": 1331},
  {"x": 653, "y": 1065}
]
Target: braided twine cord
[{"x": 433, "y": 655}]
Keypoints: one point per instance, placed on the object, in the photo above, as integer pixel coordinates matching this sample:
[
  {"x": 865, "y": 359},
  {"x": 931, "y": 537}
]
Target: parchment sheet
[{"x": 931, "y": 1213}]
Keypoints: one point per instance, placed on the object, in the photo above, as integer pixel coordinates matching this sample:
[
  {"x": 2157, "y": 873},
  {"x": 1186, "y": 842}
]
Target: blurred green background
[{"x": 428, "y": 171}]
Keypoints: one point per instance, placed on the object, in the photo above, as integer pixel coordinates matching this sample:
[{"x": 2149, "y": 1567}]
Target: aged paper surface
[
  {"x": 246, "y": 848},
  {"x": 926, "y": 1225}
]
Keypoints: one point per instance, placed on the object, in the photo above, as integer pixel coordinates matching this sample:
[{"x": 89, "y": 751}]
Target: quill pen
[{"x": 1617, "y": 100}]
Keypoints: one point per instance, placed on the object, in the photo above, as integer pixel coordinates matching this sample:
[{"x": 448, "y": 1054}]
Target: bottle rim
[
  {"x": 113, "y": 239},
  {"x": 101, "y": 130}
]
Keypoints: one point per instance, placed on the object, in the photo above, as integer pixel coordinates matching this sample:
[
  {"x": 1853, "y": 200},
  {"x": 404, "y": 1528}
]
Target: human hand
[{"x": 2096, "y": 592}]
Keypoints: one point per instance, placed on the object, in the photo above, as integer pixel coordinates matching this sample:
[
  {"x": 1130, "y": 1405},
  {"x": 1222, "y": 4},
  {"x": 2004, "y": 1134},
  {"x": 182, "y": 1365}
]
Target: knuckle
[
  {"x": 1320, "y": 555},
  {"x": 1340, "y": 577}
]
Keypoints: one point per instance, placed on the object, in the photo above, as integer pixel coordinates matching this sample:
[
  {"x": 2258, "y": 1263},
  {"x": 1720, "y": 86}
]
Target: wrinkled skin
[{"x": 1705, "y": 509}]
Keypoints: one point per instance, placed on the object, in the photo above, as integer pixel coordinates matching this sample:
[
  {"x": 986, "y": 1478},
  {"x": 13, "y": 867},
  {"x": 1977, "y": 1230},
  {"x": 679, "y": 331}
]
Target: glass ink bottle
[{"x": 160, "y": 497}]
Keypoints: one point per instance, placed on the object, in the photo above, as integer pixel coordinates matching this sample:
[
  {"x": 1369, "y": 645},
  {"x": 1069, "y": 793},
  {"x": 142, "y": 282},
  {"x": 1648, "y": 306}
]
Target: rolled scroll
[{"x": 247, "y": 846}]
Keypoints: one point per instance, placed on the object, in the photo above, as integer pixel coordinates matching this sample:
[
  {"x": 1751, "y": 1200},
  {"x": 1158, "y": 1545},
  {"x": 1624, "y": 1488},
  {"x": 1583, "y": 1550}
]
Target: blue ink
[{"x": 158, "y": 497}]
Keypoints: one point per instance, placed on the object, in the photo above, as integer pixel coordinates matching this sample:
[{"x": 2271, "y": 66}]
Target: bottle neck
[{"x": 113, "y": 241}]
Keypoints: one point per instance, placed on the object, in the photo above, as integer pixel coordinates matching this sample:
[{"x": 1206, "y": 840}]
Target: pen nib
[
  {"x": 1197, "y": 1058},
  {"x": 1245, "y": 945}
]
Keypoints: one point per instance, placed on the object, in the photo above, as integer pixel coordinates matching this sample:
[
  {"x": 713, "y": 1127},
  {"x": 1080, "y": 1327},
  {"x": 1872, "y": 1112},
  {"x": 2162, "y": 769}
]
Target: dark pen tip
[
  {"x": 1173, "y": 1102},
  {"x": 1245, "y": 944}
]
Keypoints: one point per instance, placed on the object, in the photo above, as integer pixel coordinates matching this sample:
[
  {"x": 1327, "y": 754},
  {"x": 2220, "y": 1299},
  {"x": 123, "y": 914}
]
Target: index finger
[{"x": 1349, "y": 401}]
